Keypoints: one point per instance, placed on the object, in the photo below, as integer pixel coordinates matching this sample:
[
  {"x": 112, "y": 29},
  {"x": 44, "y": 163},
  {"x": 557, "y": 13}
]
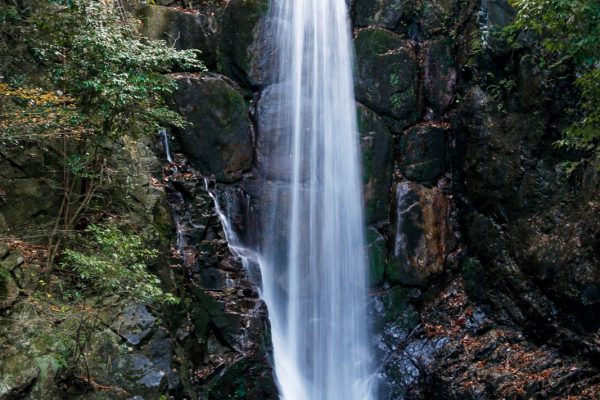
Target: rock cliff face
[{"x": 485, "y": 251}]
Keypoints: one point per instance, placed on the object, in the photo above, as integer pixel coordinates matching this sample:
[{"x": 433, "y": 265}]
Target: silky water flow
[
  {"x": 313, "y": 261},
  {"x": 311, "y": 250}
]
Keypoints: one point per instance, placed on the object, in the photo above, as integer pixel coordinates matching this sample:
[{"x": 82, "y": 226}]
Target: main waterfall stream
[{"x": 313, "y": 261}]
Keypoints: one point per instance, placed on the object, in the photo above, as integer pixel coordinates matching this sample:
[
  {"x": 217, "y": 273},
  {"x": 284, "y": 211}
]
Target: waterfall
[
  {"x": 312, "y": 255},
  {"x": 165, "y": 142}
]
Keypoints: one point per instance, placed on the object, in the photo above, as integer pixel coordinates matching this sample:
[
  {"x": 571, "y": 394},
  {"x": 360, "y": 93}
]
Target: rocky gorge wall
[
  {"x": 461, "y": 182},
  {"x": 484, "y": 249}
]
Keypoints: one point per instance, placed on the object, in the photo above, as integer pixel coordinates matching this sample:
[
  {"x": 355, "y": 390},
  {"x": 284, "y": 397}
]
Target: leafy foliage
[
  {"x": 116, "y": 76},
  {"x": 570, "y": 29},
  {"x": 78, "y": 70},
  {"x": 33, "y": 113},
  {"x": 114, "y": 263}
]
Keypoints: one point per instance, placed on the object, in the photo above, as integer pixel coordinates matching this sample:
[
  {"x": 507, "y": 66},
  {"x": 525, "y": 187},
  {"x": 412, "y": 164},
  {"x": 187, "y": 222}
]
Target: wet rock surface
[
  {"x": 487, "y": 241},
  {"x": 223, "y": 328}
]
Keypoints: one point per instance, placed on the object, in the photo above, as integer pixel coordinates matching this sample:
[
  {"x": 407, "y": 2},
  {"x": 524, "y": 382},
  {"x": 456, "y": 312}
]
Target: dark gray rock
[
  {"x": 135, "y": 324},
  {"x": 140, "y": 371},
  {"x": 243, "y": 41},
  {"x": 218, "y": 140},
  {"x": 439, "y": 75},
  {"x": 498, "y": 13},
  {"x": 422, "y": 152}
]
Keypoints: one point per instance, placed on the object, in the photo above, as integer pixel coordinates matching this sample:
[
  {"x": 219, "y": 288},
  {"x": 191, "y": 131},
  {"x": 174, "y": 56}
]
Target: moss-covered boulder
[
  {"x": 422, "y": 153},
  {"x": 218, "y": 140},
  {"x": 377, "y": 155},
  {"x": 419, "y": 234},
  {"x": 387, "y": 74},
  {"x": 243, "y": 40},
  {"x": 189, "y": 29}
]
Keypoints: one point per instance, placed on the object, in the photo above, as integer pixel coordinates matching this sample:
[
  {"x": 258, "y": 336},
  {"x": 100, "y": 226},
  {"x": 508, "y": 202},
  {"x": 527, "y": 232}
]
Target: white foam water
[{"x": 312, "y": 255}]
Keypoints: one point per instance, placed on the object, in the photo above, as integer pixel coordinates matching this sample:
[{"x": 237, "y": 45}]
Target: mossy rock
[
  {"x": 377, "y": 256},
  {"x": 4, "y": 249},
  {"x": 9, "y": 291},
  {"x": 34, "y": 201},
  {"x": 218, "y": 141},
  {"x": 242, "y": 41},
  {"x": 12, "y": 261},
  {"x": 474, "y": 277},
  {"x": 387, "y": 74},
  {"x": 377, "y": 155},
  {"x": 17, "y": 385},
  {"x": 436, "y": 17},
  {"x": 398, "y": 308}
]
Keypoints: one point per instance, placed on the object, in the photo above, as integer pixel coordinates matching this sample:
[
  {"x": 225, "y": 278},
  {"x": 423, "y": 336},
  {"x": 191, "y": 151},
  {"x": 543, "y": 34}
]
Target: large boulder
[
  {"x": 218, "y": 140},
  {"x": 183, "y": 30},
  {"x": 422, "y": 153},
  {"x": 243, "y": 41},
  {"x": 418, "y": 235},
  {"x": 387, "y": 74},
  {"x": 377, "y": 148}
]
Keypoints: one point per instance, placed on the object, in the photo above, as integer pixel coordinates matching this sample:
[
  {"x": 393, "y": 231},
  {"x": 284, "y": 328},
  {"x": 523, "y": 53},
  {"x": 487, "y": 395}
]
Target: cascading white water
[{"x": 312, "y": 258}]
